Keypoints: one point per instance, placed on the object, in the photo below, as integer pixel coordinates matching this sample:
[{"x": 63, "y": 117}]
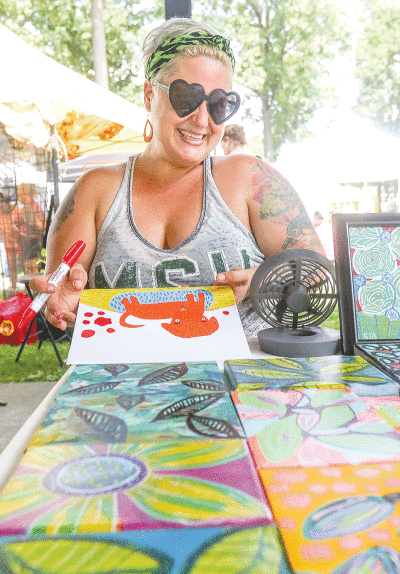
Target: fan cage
[{"x": 312, "y": 277}]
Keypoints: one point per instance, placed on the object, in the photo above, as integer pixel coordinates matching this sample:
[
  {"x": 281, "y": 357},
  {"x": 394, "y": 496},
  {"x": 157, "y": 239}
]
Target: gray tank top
[{"x": 220, "y": 242}]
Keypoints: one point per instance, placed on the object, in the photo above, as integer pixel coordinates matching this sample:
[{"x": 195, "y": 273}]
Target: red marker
[{"x": 69, "y": 260}]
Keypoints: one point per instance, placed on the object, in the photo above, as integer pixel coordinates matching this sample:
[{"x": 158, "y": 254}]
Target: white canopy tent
[
  {"x": 350, "y": 150},
  {"x": 36, "y": 92}
]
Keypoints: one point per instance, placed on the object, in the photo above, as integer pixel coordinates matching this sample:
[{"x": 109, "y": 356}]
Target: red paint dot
[
  {"x": 88, "y": 314},
  {"x": 87, "y": 333},
  {"x": 86, "y": 322},
  {"x": 101, "y": 321},
  {"x": 110, "y": 330},
  {"x": 225, "y": 312},
  {"x": 100, "y": 313}
]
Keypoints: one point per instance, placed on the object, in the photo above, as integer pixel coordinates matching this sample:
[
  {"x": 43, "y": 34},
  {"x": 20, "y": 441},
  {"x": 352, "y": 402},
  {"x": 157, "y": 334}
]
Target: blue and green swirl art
[{"x": 375, "y": 258}]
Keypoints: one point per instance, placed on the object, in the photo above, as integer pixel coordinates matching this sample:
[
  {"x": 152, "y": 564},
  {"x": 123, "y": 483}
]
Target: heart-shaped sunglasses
[{"x": 185, "y": 98}]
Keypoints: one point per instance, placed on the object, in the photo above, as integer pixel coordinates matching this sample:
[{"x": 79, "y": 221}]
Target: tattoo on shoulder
[
  {"x": 65, "y": 210},
  {"x": 272, "y": 191},
  {"x": 298, "y": 229}
]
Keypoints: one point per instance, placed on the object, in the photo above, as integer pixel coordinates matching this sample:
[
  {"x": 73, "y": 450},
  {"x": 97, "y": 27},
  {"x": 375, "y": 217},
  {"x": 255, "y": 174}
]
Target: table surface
[{"x": 13, "y": 452}]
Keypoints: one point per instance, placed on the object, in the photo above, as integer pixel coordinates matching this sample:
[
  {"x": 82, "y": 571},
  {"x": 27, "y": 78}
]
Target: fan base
[{"x": 304, "y": 342}]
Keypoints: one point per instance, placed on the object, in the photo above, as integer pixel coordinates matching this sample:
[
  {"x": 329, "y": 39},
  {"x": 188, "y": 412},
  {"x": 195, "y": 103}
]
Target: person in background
[
  {"x": 234, "y": 140},
  {"x": 324, "y": 231},
  {"x": 10, "y": 237},
  {"x": 174, "y": 215},
  {"x": 29, "y": 221},
  {"x": 318, "y": 219}
]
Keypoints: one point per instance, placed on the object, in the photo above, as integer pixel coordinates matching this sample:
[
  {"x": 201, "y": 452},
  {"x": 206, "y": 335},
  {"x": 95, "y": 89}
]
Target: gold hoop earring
[{"x": 147, "y": 136}]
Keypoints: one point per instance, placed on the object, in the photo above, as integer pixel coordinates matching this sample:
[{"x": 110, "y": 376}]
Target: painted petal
[
  {"x": 83, "y": 514},
  {"x": 192, "y": 454},
  {"x": 307, "y": 420},
  {"x": 187, "y": 500}
]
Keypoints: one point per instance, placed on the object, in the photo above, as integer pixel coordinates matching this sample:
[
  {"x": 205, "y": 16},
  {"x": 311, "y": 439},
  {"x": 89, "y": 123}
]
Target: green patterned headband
[{"x": 170, "y": 47}]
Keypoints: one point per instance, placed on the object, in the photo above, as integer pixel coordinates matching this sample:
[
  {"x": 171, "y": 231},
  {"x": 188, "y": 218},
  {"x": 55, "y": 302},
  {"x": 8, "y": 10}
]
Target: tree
[
  {"x": 378, "y": 64},
  {"x": 285, "y": 48},
  {"x": 62, "y": 29}
]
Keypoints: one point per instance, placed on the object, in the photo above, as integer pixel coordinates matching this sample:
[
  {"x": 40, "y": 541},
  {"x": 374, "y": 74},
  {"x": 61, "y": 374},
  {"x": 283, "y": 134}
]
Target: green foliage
[
  {"x": 63, "y": 31},
  {"x": 34, "y": 364},
  {"x": 285, "y": 48},
  {"x": 378, "y": 64}
]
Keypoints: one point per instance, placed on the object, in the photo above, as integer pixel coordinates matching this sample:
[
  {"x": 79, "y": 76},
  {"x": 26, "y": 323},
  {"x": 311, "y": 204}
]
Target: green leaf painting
[{"x": 61, "y": 556}]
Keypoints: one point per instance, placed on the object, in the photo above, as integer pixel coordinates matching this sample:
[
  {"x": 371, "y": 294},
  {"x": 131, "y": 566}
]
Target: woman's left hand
[{"x": 238, "y": 279}]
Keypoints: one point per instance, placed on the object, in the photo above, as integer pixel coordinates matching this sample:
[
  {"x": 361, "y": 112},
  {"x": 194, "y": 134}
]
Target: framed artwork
[
  {"x": 368, "y": 272},
  {"x": 172, "y": 324}
]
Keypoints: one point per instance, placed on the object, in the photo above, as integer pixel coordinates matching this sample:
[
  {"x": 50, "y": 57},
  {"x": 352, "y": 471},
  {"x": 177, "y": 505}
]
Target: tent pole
[{"x": 55, "y": 167}]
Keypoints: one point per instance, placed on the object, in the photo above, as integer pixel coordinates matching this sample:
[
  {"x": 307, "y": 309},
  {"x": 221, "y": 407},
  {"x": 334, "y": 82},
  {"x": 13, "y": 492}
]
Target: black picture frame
[{"x": 342, "y": 223}]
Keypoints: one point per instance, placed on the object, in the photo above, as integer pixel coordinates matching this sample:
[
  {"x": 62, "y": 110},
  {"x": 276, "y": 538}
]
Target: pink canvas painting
[{"x": 313, "y": 427}]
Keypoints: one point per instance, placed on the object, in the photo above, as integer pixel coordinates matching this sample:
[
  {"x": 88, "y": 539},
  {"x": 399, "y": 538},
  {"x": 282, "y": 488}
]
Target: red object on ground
[{"x": 11, "y": 311}]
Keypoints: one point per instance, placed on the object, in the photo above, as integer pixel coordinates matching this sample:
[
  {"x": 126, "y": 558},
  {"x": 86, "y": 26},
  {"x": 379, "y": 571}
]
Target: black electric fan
[{"x": 294, "y": 291}]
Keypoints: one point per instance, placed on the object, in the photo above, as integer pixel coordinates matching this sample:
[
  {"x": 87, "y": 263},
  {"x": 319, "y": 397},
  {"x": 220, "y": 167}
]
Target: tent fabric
[
  {"x": 350, "y": 150},
  {"x": 87, "y": 115}
]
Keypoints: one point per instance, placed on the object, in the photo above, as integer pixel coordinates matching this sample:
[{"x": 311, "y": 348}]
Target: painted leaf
[
  {"x": 373, "y": 427},
  {"x": 286, "y": 363},
  {"x": 346, "y": 516},
  {"x": 333, "y": 417},
  {"x": 95, "y": 388},
  {"x": 327, "y": 396},
  {"x": 169, "y": 373},
  {"x": 379, "y": 559},
  {"x": 205, "y": 385},
  {"x": 211, "y": 427},
  {"x": 127, "y": 402},
  {"x": 250, "y": 551},
  {"x": 116, "y": 369},
  {"x": 342, "y": 369},
  {"x": 389, "y": 413},
  {"x": 107, "y": 427},
  {"x": 275, "y": 374},
  {"x": 188, "y": 500},
  {"x": 364, "y": 443},
  {"x": 280, "y": 440},
  {"x": 264, "y": 402},
  {"x": 188, "y": 405},
  {"x": 76, "y": 556}
]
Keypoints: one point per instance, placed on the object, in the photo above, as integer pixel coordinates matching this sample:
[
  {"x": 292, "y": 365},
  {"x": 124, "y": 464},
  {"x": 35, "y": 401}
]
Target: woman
[
  {"x": 234, "y": 140},
  {"x": 170, "y": 216}
]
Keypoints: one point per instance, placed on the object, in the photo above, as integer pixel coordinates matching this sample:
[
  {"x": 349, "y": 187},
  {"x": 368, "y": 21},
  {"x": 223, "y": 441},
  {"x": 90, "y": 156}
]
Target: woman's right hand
[{"x": 61, "y": 306}]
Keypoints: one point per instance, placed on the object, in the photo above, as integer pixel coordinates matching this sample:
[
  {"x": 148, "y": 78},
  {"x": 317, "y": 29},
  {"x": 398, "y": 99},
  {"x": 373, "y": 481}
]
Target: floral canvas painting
[{"x": 77, "y": 489}]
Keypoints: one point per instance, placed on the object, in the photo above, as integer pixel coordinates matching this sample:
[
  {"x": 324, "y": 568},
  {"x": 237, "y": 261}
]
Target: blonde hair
[
  {"x": 235, "y": 132},
  {"x": 180, "y": 27}
]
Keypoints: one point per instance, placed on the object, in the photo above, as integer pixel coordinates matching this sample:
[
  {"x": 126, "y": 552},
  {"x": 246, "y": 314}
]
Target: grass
[{"x": 34, "y": 364}]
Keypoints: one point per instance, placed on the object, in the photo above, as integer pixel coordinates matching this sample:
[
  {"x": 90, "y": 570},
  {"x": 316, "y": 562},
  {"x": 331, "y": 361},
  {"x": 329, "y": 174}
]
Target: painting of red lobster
[{"x": 187, "y": 316}]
